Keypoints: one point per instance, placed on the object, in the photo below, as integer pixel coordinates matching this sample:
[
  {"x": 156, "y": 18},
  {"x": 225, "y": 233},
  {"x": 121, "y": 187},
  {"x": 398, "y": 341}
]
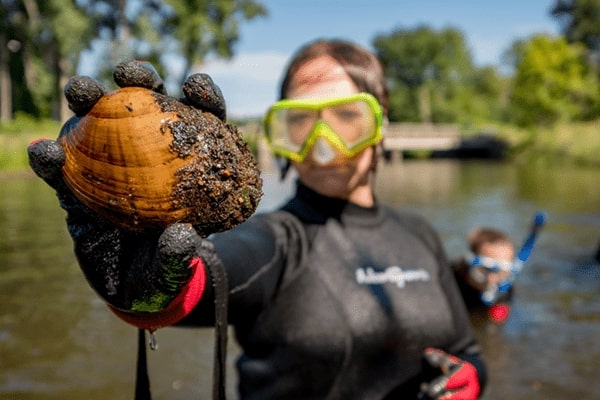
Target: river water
[{"x": 58, "y": 341}]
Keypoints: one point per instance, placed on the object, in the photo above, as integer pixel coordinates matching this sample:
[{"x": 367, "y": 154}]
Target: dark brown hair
[
  {"x": 480, "y": 236},
  {"x": 360, "y": 64}
]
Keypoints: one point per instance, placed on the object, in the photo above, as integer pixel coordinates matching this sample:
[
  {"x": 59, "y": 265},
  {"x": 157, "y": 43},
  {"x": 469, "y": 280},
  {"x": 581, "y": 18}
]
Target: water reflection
[{"x": 58, "y": 341}]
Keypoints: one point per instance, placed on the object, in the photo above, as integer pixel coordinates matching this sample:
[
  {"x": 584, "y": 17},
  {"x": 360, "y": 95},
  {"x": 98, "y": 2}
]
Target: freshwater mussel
[{"x": 143, "y": 160}]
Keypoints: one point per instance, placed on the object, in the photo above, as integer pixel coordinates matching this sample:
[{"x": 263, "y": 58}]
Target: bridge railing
[{"x": 410, "y": 136}]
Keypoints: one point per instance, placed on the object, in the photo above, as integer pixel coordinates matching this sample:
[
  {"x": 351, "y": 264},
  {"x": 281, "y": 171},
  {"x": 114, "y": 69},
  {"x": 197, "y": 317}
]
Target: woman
[{"x": 335, "y": 296}]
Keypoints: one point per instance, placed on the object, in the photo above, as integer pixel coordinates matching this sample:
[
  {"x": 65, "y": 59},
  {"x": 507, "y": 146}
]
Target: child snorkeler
[{"x": 486, "y": 273}]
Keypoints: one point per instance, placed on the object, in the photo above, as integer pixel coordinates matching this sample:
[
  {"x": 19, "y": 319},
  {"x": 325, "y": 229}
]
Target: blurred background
[{"x": 513, "y": 86}]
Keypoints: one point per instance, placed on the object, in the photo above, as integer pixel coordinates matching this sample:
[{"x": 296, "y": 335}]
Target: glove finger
[
  {"x": 176, "y": 247},
  {"x": 435, "y": 388},
  {"x": 440, "y": 359},
  {"x": 46, "y": 158},
  {"x": 82, "y": 93},
  {"x": 203, "y": 93},
  {"x": 139, "y": 74}
]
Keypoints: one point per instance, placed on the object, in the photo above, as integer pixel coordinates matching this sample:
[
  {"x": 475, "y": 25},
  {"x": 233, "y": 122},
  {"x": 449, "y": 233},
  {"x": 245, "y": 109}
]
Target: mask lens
[
  {"x": 288, "y": 128},
  {"x": 353, "y": 123},
  {"x": 497, "y": 265}
]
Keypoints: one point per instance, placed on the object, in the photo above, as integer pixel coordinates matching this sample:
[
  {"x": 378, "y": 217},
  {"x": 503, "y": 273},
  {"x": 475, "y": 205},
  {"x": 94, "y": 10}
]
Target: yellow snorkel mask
[{"x": 349, "y": 124}]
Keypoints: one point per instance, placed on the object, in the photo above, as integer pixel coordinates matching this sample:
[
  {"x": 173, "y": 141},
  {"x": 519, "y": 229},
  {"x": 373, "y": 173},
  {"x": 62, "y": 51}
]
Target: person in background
[
  {"x": 487, "y": 272},
  {"x": 333, "y": 296},
  {"x": 486, "y": 265}
]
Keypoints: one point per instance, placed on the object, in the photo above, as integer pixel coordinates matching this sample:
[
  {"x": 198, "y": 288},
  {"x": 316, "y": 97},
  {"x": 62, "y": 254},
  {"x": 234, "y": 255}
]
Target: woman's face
[{"x": 341, "y": 177}]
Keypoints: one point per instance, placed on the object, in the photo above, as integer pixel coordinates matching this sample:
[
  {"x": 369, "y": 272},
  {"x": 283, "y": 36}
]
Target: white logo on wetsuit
[{"x": 391, "y": 274}]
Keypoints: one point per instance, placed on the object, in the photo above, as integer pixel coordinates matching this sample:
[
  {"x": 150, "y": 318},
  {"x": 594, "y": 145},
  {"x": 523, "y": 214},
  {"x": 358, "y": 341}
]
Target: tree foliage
[
  {"x": 579, "y": 21},
  {"x": 431, "y": 72},
  {"x": 204, "y": 27},
  {"x": 46, "y": 38},
  {"x": 552, "y": 83},
  {"x": 433, "y": 79},
  {"x": 170, "y": 31}
]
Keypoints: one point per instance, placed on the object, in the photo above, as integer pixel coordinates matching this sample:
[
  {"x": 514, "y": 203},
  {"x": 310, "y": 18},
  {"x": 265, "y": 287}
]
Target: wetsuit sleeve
[
  {"x": 255, "y": 256},
  {"x": 464, "y": 344}
]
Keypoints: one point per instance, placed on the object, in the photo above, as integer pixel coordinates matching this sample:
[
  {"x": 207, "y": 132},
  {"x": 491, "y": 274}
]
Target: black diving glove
[{"x": 150, "y": 278}]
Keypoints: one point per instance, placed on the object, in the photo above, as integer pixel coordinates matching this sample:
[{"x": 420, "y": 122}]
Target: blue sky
[{"x": 250, "y": 80}]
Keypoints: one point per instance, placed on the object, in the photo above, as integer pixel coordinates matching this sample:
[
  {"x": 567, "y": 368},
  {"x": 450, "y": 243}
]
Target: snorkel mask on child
[
  {"x": 294, "y": 127},
  {"x": 480, "y": 266}
]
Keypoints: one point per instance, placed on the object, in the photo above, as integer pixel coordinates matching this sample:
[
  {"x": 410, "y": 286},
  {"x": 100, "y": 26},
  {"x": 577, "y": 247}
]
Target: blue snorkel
[{"x": 493, "y": 294}]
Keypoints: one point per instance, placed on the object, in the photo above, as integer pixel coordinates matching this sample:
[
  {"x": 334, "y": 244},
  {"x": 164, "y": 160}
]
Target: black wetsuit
[
  {"x": 334, "y": 301},
  {"x": 471, "y": 295}
]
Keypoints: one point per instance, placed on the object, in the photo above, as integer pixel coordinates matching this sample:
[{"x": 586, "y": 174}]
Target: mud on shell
[{"x": 143, "y": 160}]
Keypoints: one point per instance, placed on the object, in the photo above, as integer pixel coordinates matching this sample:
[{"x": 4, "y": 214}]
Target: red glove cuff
[
  {"x": 177, "y": 309},
  {"x": 463, "y": 384}
]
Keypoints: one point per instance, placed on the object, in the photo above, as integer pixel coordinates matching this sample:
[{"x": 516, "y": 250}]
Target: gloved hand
[
  {"x": 459, "y": 380},
  {"x": 150, "y": 278}
]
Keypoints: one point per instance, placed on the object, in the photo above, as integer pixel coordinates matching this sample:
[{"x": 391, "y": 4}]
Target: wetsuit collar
[{"x": 313, "y": 207}]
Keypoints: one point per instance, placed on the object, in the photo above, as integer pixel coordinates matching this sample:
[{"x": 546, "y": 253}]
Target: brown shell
[{"x": 143, "y": 160}]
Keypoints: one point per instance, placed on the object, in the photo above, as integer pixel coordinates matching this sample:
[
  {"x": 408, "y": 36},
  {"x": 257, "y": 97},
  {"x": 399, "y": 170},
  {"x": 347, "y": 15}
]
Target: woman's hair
[
  {"x": 361, "y": 65},
  {"x": 480, "y": 236}
]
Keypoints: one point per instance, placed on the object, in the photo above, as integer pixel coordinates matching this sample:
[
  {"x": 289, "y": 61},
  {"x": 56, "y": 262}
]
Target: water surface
[{"x": 59, "y": 341}]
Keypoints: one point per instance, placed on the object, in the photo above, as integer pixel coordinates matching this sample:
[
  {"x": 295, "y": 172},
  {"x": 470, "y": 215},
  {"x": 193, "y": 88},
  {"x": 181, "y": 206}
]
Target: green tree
[
  {"x": 579, "y": 21},
  {"x": 552, "y": 82},
  {"x": 45, "y": 38},
  {"x": 18, "y": 18},
  {"x": 124, "y": 30},
  {"x": 209, "y": 26},
  {"x": 66, "y": 32},
  {"x": 169, "y": 31},
  {"x": 432, "y": 77},
  {"x": 8, "y": 46}
]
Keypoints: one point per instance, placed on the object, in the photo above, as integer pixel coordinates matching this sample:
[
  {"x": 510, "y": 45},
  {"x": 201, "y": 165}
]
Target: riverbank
[
  {"x": 17, "y": 134},
  {"x": 577, "y": 143}
]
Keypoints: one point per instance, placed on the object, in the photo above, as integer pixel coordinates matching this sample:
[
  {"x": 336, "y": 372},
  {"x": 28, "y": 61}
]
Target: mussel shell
[{"x": 143, "y": 160}]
